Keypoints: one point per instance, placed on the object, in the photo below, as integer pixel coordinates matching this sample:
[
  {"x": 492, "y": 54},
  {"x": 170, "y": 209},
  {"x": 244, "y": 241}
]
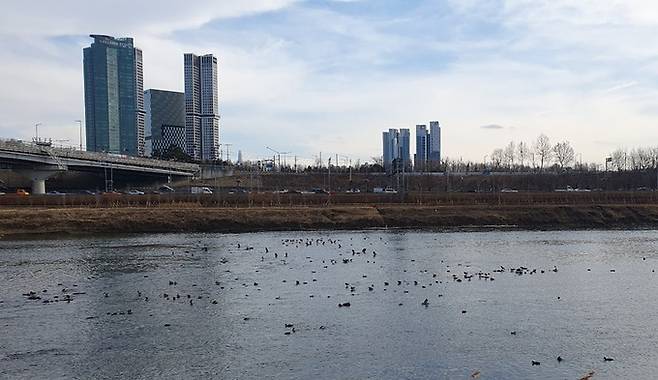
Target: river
[{"x": 265, "y": 305}]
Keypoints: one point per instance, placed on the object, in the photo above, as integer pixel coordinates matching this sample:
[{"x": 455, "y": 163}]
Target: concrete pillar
[
  {"x": 38, "y": 176},
  {"x": 38, "y": 186}
]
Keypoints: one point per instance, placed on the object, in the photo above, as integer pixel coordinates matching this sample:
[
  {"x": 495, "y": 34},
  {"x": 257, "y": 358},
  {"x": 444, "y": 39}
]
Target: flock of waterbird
[{"x": 345, "y": 253}]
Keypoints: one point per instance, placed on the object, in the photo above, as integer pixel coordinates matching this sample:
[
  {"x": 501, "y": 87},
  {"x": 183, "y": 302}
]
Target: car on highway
[
  {"x": 135, "y": 192},
  {"x": 22, "y": 192},
  {"x": 55, "y": 192},
  {"x": 166, "y": 189},
  {"x": 385, "y": 190},
  {"x": 200, "y": 190}
]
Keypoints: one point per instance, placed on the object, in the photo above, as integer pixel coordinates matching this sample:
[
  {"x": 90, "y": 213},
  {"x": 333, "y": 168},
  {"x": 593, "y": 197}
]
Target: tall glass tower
[
  {"x": 114, "y": 96},
  {"x": 201, "y": 107},
  {"x": 434, "y": 151}
]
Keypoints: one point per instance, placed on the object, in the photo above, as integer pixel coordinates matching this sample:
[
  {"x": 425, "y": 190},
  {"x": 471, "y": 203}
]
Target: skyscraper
[
  {"x": 390, "y": 148},
  {"x": 396, "y": 149},
  {"x": 201, "y": 107},
  {"x": 165, "y": 120},
  {"x": 422, "y": 147},
  {"x": 404, "y": 141},
  {"x": 114, "y": 96},
  {"x": 434, "y": 152}
]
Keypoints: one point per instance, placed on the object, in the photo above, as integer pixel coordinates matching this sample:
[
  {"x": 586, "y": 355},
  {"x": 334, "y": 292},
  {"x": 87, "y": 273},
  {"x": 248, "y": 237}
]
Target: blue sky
[{"x": 311, "y": 76}]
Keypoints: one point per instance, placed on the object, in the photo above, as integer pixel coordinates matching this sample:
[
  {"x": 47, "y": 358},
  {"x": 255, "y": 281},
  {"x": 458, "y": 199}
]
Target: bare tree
[
  {"x": 654, "y": 157},
  {"x": 564, "y": 154},
  {"x": 543, "y": 150},
  {"x": 641, "y": 158},
  {"x": 619, "y": 158},
  {"x": 532, "y": 156},
  {"x": 497, "y": 157},
  {"x": 508, "y": 154},
  {"x": 522, "y": 152}
]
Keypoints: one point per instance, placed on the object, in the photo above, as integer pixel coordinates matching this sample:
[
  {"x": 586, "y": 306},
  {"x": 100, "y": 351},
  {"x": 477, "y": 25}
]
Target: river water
[{"x": 217, "y": 305}]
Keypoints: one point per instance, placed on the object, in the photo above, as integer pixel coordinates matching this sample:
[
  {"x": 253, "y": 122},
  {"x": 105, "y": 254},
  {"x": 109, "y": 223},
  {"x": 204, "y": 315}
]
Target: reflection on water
[{"x": 265, "y": 305}]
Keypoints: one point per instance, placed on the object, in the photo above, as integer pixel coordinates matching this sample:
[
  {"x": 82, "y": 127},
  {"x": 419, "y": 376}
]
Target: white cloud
[
  {"x": 122, "y": 17},
  {"x": 319, "y": 80}
]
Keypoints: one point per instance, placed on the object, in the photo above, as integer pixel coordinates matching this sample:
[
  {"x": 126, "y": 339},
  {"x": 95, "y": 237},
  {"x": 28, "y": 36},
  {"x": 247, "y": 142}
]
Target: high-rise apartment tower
[
  {"x": 422, "y": 147},
  {"x": 434, "y": 152},
  {"x": 201, "y": 107},
  {"x": 396, "y": 149}
]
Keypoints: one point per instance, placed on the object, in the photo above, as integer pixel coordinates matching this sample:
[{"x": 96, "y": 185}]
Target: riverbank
[{"x": 15, "y": 222}]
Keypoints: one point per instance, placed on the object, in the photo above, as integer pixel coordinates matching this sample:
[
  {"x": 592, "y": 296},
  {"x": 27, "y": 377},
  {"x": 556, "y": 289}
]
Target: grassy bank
[{"x": 81, "y": 221}]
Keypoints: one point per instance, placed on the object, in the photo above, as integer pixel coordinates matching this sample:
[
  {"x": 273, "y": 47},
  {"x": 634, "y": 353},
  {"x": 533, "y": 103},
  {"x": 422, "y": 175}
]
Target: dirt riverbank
[{"x": 84, "y": 221}]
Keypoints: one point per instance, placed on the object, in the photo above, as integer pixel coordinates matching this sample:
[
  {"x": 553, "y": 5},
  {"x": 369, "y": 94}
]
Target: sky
[{"x": 329, "y": 76}]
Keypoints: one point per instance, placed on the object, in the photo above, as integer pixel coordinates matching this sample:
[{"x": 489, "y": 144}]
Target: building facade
[
  {"x": 114, "y": 96},
  {"x": 165, "y": 121},
  {"x": 434, "y": 152},
  {"x": 428, "y": 147},
  {"x": 396, "y": 149},
  {"x": 422, "y": 147},
  {"x": 389, "y": 148},
  {"x": 201, "y": 107}
]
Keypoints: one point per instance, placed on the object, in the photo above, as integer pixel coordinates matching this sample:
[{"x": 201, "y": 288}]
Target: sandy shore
[{"x": 83, "y": 221}]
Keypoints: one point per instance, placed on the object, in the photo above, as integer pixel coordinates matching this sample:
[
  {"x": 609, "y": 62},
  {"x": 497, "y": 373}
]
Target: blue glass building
[{"x": 114, "y": 96}]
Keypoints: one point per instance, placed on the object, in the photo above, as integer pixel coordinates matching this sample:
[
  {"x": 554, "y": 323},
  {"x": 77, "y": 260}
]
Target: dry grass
[{"x": 28, "y": 221}]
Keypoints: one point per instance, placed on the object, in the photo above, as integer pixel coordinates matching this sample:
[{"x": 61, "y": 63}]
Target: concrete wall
[{"x": 215, "y": 171}]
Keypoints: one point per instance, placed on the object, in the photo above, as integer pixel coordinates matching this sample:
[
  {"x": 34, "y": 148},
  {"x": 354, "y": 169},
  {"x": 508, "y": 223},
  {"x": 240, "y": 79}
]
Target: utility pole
[
  {"x": 274, "y": 157},
  {"x": 350, "y": 171},
  {"x": 228, "y": 151},
  {"x": 277, "y": 154},
  {"x": 329, "y": 176}
]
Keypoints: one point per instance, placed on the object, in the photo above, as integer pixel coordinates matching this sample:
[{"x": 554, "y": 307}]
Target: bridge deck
[{"x": 19, "y": 151}]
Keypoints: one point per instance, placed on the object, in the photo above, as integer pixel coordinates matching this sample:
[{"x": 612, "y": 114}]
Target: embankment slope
[{"x": 82, "y": 221}]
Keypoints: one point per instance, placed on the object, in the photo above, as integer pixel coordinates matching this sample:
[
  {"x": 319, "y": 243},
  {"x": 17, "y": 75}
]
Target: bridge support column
[
  {"x": 38, "y": 178},
  {"x": 38, "y": 186}
]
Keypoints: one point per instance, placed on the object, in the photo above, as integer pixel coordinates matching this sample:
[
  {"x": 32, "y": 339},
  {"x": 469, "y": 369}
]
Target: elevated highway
[{"x": 39, "y": 161}]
